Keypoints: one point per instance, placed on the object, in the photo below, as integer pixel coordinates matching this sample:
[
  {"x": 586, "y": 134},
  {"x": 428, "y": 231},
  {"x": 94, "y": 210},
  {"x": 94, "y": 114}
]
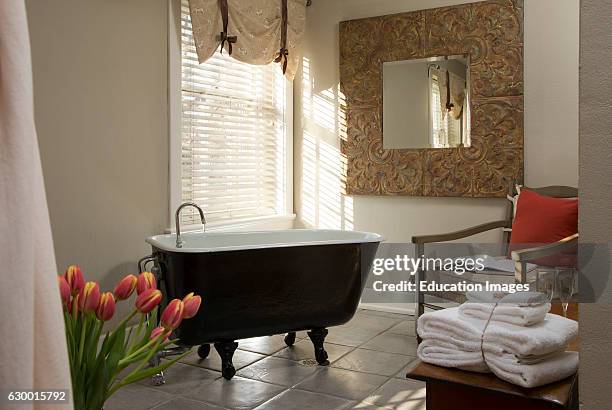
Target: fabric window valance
[
  {"x": 253, "y": 31},
  {"x": 457, "y": 92}
]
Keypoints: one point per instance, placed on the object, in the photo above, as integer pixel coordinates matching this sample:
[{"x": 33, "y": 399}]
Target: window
[
  {"x": 235, "y": 136},
  {"x": 446, "y": 131},
  {"x": 438, "y": 134}
]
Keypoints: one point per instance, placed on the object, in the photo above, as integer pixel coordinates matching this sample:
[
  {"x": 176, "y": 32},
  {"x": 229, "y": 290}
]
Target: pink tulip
[
  {"x": 158, "y": 331},
  {"x": 146, "y": 280},
  {"x": 173, "y": 314},
  {"x": 106, "y": 308},
  {"x": 75, "y": 279},
  {"x": 64, "y": 290},
  {"x": 89, "y": 297},
  {"x": 148, "y": 300},
  {"x": 192, "y": 304},
  {"x": 125, "y": 287}
]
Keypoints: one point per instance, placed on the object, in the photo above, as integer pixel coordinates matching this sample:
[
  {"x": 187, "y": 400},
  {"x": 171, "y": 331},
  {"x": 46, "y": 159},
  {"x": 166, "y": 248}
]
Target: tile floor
[{"x": 369, "y": 358}]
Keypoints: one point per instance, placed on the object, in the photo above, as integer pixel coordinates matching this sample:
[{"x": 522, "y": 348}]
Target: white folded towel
[
  {"x": 525, "y": 298},
  {"x": 446, "y": 354},
  {"x": 507, "y": 367},
  {"x": 517, "y": 298},
  {"x": 551, "y": 335},
  {"x": 448, "y": 326},
  {"x": 526, "y": 356},
  {"x": 506, "y": 312},
  {"x": 484, "y": 297},
  {"x": 555, "y": 368}
]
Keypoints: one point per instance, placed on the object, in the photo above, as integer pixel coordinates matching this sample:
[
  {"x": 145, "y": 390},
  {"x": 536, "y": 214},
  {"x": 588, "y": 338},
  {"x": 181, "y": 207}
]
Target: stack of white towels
[{"x": 514, "y": 337}]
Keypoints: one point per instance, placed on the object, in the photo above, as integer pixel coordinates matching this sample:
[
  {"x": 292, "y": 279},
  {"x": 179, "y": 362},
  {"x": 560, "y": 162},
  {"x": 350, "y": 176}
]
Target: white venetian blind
[
  {"x": 446, "y": 131},
  {"x": 233, "y": 134},
  {"x": 438, "y": 126}
]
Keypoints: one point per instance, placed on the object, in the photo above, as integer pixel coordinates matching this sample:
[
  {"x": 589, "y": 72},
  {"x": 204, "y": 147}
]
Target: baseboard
[{"x": 403, "y": 308}]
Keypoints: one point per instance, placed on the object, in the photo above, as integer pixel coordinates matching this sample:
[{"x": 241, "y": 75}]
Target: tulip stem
[
  {"x": 136, "y": 356},
  {"x": 97, "y": 332},
  {"x": 137, "y": 352},
  {"x": 82, "y": 339},
  {"x": 74, "y": 307},
  {"x": 133, "y": 343},
  {"x": 157, "y": 341}
]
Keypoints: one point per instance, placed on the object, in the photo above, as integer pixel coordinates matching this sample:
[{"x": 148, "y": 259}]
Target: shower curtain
[{"x": 32, "y": 345}]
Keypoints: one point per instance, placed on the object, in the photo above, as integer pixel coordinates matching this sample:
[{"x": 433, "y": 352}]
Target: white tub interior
[{"x": 196, "y": 242}]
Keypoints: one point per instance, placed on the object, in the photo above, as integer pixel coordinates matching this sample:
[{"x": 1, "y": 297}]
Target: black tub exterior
[{"x": 260, "y": 292}]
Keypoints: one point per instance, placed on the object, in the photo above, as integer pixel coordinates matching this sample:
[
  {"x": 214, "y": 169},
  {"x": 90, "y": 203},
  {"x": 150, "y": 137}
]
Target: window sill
[{"x": 245, "y": 224}]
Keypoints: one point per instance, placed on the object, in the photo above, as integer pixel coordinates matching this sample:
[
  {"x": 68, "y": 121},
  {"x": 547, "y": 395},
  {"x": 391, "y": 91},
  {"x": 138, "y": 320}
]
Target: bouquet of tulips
[{"x": 99, "y": 369}]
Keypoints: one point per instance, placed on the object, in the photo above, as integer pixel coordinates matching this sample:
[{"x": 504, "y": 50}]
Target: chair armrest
[
  {"x": 464, "y": 233},
  {"x": 537, "y": 252},
  {"x": 521, "y": 257}
]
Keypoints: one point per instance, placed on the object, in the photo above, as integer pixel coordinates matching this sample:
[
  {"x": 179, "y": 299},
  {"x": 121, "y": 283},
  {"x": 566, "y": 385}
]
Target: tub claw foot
[
  {"x": 317, "y": 336},
  {"x": 204, "y": 351},
  {"x": 226, "y": 352},
  {"x": 157, "y": 379},
  {"x": 290, "y": 338}
]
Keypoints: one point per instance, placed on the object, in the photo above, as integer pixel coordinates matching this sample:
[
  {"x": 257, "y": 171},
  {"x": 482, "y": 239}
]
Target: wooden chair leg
[{"x": 419, "y": 296}]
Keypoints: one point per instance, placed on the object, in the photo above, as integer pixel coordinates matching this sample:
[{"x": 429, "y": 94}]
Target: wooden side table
[{"x": 457, "y": 389}]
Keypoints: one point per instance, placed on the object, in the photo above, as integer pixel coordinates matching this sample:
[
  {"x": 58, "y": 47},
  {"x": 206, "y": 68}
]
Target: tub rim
[{"x": 157, "y": 240}]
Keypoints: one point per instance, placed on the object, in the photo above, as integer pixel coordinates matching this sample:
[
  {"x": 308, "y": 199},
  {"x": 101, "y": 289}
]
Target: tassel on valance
[
  {"x": 452, "y": 93},
  {"x": 252, "y": 31},
  {"x": 223, "y": 36},
  {"x": 283, "y": 53}
]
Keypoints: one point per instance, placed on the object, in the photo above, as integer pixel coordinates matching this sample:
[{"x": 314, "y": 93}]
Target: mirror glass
[{"x": 426, "y": 103}]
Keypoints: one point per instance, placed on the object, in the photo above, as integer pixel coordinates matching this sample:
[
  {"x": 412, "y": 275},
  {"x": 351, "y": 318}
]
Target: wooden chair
[{"x": 520, "y": 257}]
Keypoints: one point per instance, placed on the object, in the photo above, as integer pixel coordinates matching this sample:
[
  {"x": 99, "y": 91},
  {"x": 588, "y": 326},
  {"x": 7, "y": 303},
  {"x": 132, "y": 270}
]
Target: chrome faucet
[{"x": 179, "y": 241}]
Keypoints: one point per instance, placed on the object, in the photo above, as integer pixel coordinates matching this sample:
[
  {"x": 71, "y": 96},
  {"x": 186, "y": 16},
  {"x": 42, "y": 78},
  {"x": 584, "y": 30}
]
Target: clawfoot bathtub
[{"x": 264, "y": 283}]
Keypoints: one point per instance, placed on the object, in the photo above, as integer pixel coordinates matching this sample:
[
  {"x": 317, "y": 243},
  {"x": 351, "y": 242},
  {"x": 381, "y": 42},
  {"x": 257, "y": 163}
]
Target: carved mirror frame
[{"x": 491, "y": 32}]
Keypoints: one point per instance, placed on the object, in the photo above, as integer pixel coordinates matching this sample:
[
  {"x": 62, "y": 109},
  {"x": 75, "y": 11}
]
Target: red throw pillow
[{"x": 541, "y": 219}]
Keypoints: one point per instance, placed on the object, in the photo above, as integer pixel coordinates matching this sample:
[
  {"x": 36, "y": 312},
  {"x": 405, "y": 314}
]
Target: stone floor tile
[
  {"x": 371, "y": 361},
  {"x": 293, "y": 399},
  {"x": 399, "y": 394},
  {"x": 136, "y": 397},
  {"x": 393, "y": 343},
  {"x": 343, "y": 383},
  {"x": 277, "y": 370},
  {"x": 181, "y": 403},
  {"x": 213, "y": 361},
  {"x": 238, "y": 393},
  {"x": 303, "y": 350}
]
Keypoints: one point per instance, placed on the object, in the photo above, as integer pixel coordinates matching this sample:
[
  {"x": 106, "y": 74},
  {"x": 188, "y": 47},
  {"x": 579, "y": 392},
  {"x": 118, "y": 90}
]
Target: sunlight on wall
[
  {"x": 309, "y": 179},
  {"x": 325, "y": 110},
  {"x": 323, "y": 203}
]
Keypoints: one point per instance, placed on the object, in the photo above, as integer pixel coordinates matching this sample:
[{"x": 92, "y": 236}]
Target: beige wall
[
  {"x": 551, "y": 92},
  {"x": 100, "y": 88},
  {"x": 551, "y": 75},
  {"x": 595, "y": 218}
]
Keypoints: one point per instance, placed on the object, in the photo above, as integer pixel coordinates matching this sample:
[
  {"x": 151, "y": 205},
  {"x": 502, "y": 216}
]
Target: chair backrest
[{"x": 554, "y": 191}]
